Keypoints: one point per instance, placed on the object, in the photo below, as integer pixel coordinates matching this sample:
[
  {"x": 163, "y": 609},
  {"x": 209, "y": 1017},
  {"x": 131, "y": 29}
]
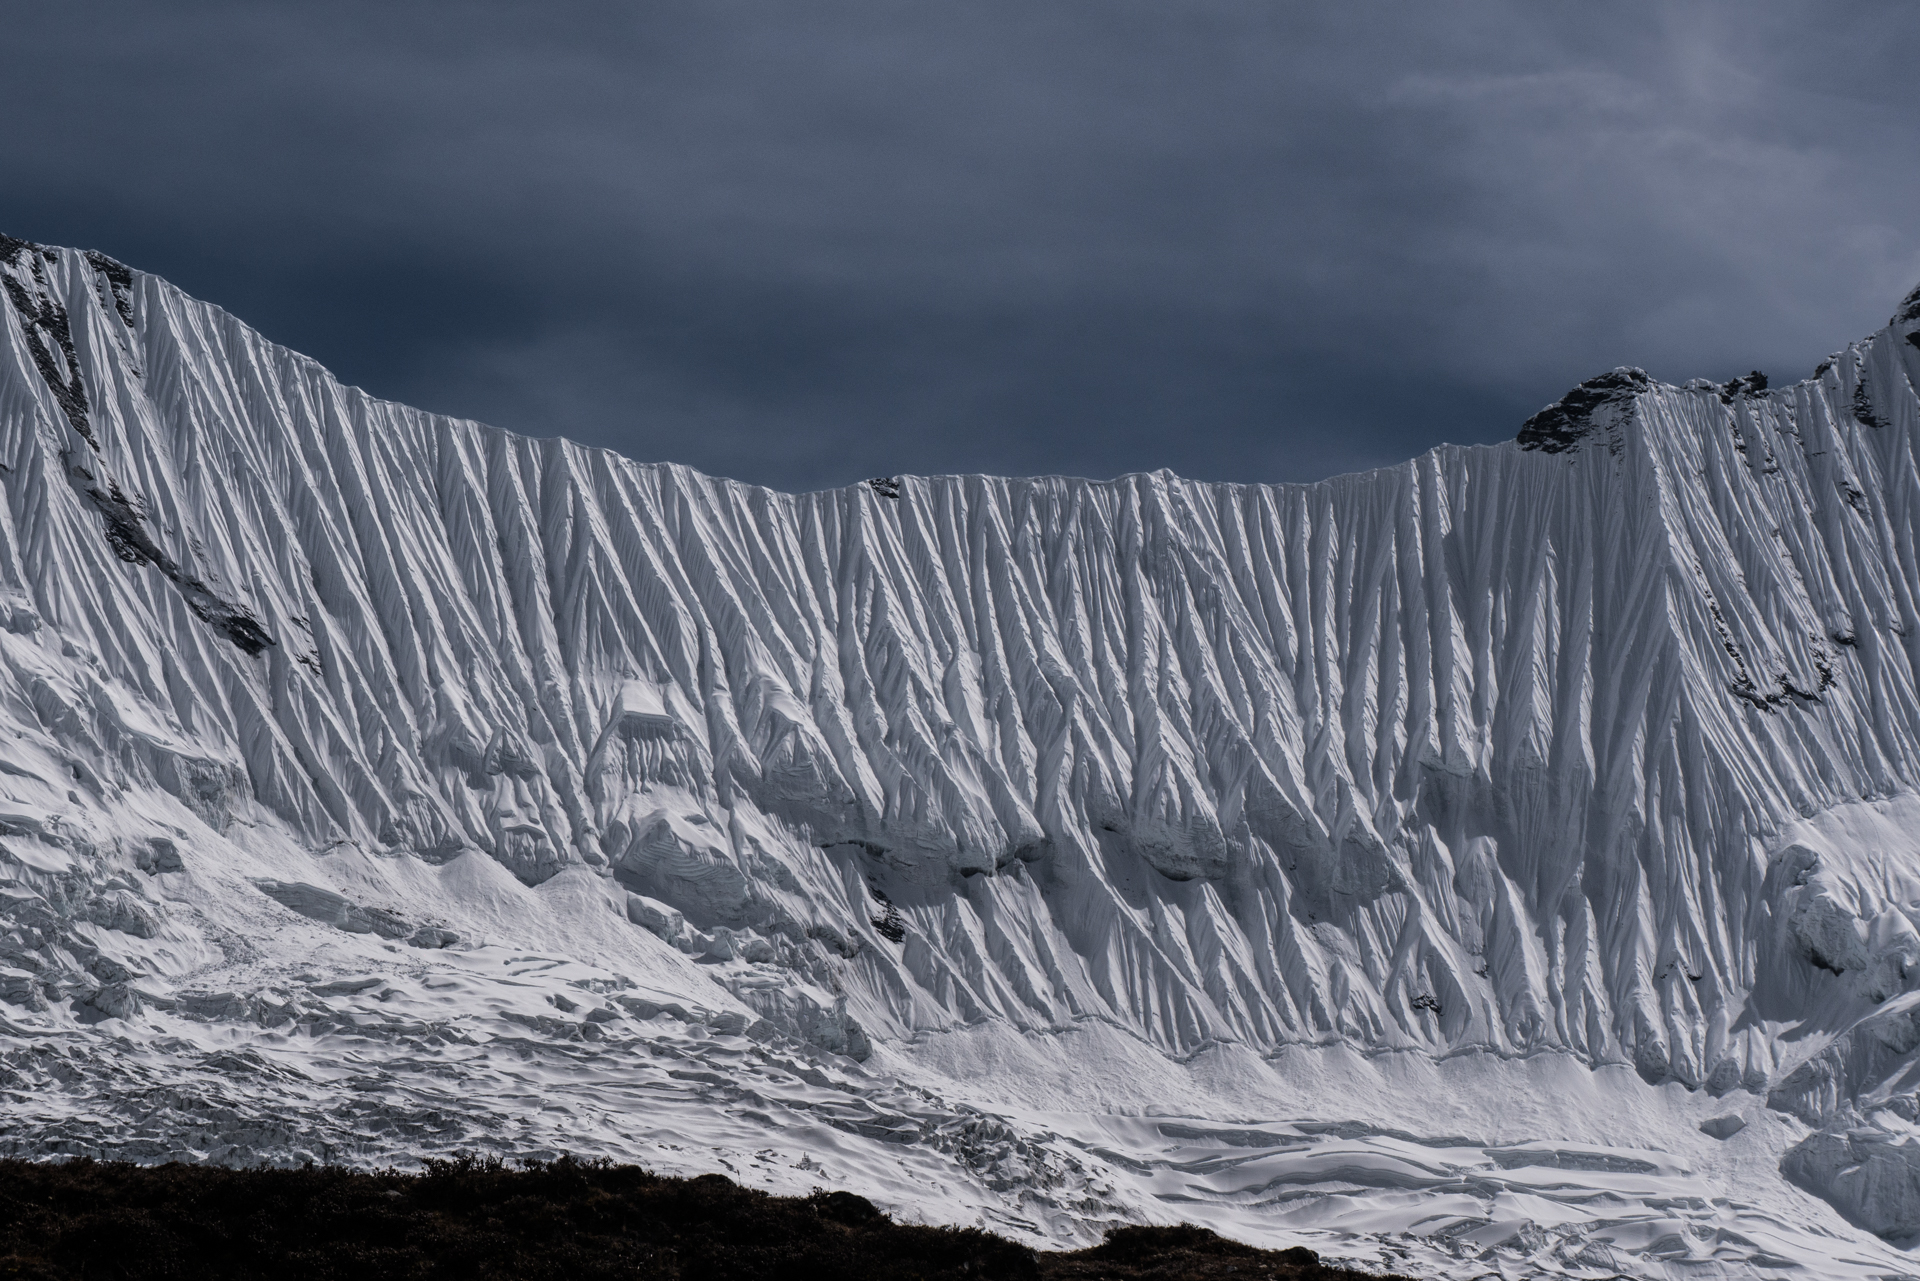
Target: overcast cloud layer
[{"x": 804, "y": 244}]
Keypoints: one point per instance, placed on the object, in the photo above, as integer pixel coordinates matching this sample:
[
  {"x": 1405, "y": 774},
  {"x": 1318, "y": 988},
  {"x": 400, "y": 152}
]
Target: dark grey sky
[{"x": 807, "y": 243}]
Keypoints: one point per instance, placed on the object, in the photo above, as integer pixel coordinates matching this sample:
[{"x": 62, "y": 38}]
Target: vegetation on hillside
[{"x": 563, "y": 1220}]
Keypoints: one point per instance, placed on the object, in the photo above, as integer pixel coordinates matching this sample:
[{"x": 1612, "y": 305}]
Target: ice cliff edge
[
  {"x": 1494, "y": 749},
  {"x": 1481, "y": 749}
]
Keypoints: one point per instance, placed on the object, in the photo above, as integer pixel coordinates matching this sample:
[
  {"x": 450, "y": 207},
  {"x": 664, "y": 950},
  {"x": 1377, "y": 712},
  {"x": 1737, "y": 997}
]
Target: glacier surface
[{"x": 1506, "y": 863}]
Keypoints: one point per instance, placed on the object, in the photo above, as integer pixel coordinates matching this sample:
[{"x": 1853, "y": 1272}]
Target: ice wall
[{"x": 1492, "y": 749}]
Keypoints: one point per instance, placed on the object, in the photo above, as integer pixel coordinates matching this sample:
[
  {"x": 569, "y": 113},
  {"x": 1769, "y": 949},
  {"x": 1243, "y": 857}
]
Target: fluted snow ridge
[{"x": 1493, "y": 748}]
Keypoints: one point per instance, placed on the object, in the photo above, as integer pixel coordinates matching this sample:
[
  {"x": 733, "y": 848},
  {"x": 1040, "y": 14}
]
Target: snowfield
[{"x": 1507, "y": 863}]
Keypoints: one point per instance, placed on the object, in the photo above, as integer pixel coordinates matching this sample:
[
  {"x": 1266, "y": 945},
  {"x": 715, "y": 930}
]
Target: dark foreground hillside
[{"x": 566, "y": 1220}]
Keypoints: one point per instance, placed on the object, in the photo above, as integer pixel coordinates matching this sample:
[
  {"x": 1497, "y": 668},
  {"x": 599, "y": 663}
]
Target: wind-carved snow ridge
[{"x": 1408, "y": 863}]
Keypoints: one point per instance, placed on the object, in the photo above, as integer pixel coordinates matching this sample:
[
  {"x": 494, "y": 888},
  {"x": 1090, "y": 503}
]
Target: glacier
[{"x": 1505, "y": 863}]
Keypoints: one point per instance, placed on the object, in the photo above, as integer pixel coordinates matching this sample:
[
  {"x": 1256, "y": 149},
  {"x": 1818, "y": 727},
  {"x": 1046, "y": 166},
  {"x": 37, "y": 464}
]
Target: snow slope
[{"x": 1437, "y": 847}]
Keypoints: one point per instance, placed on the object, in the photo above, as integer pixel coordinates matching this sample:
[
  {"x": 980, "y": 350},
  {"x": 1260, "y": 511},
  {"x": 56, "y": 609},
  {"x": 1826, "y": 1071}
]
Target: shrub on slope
[{"x": 566, "y": 1220}]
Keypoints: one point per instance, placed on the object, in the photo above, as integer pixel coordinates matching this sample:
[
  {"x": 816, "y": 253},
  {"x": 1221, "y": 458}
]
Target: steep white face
[{"x": 1426, "y": 852}]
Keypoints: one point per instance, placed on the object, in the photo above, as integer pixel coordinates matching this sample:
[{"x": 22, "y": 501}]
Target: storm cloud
[{"x": 805, "y": 244}]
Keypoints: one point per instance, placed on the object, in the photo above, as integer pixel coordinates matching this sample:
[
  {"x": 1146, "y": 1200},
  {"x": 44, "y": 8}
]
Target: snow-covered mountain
[{"x": 1407, "y": 863}]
